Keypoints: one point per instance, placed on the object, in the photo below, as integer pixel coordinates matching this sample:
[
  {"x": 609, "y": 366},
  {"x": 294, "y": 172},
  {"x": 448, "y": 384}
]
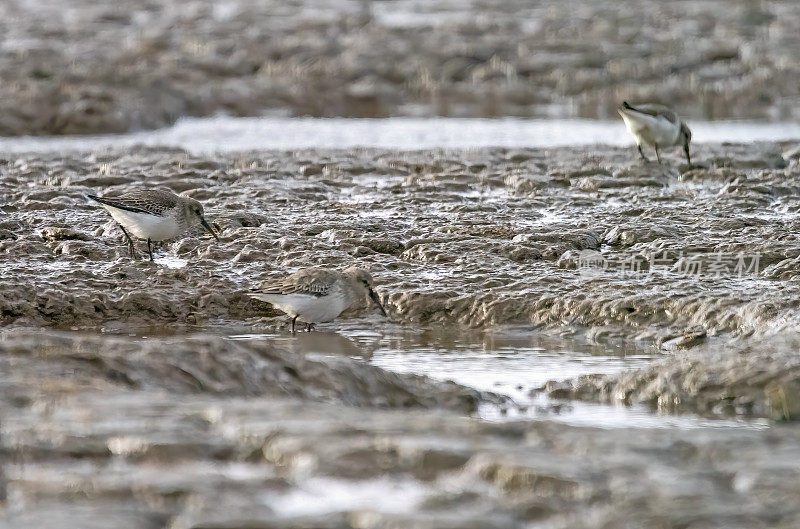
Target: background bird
[
  {"x": 154, "y": 215},
  {"x": 656, "y": 125},
  {"x": 318, "y": 295}
]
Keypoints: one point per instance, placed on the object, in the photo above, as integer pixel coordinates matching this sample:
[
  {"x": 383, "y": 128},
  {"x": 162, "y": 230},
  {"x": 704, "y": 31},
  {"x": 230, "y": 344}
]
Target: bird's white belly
[
  {"x": 652, "y": 130},
  {"x": 146, "y": 226},
  {"x": 310, "y": 309}
]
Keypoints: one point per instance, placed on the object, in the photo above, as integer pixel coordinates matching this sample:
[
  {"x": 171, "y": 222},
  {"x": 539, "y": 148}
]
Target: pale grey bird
[
  {"x": 656, "y": 125},
  {"x": 154, "y": 214},
  {"x": 318, "y": 295}
]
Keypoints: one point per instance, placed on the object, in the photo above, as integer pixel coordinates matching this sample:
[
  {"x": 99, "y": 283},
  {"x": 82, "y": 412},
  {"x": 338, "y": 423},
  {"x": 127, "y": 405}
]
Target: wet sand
[
  {"x": 80, "y": 67},
  {"x": 258, "y": 434}
]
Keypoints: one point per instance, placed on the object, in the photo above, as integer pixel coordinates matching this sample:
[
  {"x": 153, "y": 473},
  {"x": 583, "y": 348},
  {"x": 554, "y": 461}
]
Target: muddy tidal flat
[
  {"x": 86, "y": 67},
  {"x": 159, "y": 395}
]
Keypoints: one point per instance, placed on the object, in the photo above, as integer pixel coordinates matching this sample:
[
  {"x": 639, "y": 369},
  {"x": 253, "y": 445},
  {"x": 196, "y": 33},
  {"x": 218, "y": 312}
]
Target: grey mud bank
[
  {"x": 259, "y": 437},
  {"x": 80, "y": 67},
  {"x": 180, "y": 433}
]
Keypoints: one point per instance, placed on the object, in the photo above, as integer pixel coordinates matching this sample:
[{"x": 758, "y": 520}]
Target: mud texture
[
  {"x": 198, "y": 430},
  {"x": 200, "y": 445},
  {"x": 454, "y": 238},
  {"x": 76, "y": 66},
  {"x": 754, "y": 378},
  {"x": 210, "y": 365},
  {"x": 475, "y": 238}
]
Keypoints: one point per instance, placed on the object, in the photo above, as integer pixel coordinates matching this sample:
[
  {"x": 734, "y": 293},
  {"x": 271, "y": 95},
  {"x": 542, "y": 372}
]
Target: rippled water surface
[{"x": 235, "y": 134}]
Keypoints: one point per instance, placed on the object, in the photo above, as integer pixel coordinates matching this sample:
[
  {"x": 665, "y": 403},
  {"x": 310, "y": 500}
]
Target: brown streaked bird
[
  {"x": 656, "y": 125},
  {"x": 318, "y": 295},
  {"x": 154, "y": 215}
]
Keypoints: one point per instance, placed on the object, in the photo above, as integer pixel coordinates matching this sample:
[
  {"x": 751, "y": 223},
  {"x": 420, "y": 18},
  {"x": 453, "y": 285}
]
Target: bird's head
[
  {"x": 362, "y": 281},
  {"x": 193, "y": 212}
]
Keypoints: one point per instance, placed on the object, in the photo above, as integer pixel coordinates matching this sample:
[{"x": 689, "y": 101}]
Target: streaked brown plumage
[
  {"x": 154, "y": 215},
  {"x": 317, "y": 295}
]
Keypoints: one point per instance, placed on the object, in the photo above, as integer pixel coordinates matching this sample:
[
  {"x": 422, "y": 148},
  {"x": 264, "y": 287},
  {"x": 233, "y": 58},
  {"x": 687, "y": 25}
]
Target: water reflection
[
  {"x": 321, "y": 343},
  {"x": 513, "y": 361}
]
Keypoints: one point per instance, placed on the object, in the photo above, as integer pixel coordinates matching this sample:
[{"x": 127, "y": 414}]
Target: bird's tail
[
  {"x": 101, "y": 200},
  {"x": 261, "y": 296},
  {"x": 625, "y": 108}
]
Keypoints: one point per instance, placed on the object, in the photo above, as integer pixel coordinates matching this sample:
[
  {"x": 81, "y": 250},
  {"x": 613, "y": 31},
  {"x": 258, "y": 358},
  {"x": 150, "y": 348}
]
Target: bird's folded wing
[
  {"x": 150, "y": 202},
  {"x": 656, "y": 111},
  {"x": 312, "y": 281}
]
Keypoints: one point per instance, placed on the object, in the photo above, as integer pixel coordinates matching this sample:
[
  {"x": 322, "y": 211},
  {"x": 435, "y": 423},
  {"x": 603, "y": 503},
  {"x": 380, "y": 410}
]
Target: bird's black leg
[
  {"x": 641, "y": 153},
  {"x": 294, "y": 322},
  {"x": 150, "y": 249},
  {"x": 309, "y": 327},
  {"x": 658, "y": 155},
  {"x": 130, "y": 241}
]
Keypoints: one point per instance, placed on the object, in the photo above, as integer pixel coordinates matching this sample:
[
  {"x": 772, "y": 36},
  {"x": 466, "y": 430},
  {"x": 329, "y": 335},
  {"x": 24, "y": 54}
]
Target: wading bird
[
  {"x": 154, "y": 215},
  {"x": 656, "y": 125},
  {"x": 318, "y": 295}
]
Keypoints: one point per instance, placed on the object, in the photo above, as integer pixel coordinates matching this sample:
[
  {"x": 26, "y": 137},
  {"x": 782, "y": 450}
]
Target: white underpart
[
  {"x": 651, "y": 130},
  {"x": 308, "y": 308},
  {"x": 146, "y": 226}
]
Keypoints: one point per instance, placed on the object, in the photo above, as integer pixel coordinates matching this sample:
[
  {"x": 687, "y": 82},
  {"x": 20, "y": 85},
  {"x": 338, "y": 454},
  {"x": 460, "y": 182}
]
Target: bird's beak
[
  {"x": 207, "y": 226},
  {"x": 374, "y": 297},
  {"x": 688, "y": 156}
]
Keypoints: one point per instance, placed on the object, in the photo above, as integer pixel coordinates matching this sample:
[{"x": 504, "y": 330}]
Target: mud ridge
[
  {"x": 62, "y": 364},
  {"x": 750, "y": 379},
  {"x": 569, "y": 237}
]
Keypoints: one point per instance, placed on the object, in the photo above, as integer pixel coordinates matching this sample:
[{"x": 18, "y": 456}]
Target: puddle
[
  {"x": 512, "y": 362},
  {"x": 317, "y": 496}
]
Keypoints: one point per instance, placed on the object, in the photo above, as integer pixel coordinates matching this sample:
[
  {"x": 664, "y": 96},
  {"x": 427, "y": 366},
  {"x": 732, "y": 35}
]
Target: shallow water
[
  {"x": 204, "y": 135},
  {"x": 318, "y": 496},
  {"x": 511, "y": 361}
]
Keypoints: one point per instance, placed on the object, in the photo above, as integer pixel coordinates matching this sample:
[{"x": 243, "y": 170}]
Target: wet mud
[
  {"x": 90, "y": 450},
  {"x": 580, "y": 242},
  {"x": 212, "y": 365},
  {"x": 571, "y": 237},
  {"x": 749, "y": 379},
  {"x": 78, "y": 67}
]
